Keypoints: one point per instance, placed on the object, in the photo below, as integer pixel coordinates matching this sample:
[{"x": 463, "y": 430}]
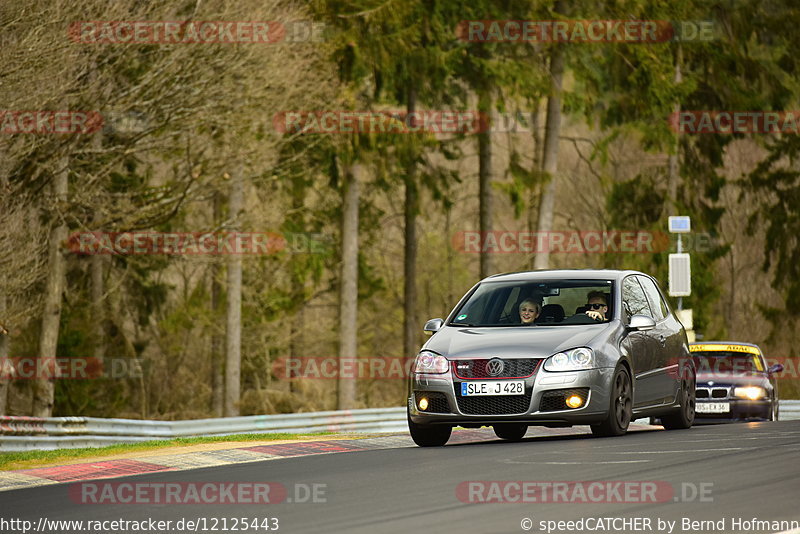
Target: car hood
[
  {"x": 737, "y": 379},
  {"x": 457, "y": 342}
]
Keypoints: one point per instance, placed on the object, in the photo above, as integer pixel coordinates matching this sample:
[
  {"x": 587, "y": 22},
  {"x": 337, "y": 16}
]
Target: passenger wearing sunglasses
[{"x": 597, "y": 305}]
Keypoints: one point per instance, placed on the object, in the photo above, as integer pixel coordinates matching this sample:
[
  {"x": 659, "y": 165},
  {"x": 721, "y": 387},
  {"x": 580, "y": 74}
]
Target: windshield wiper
[{"x": 462, "y": 324}]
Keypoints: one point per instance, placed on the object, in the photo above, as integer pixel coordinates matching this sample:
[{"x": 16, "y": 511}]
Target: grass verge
[{"x": 29, "y": 459}]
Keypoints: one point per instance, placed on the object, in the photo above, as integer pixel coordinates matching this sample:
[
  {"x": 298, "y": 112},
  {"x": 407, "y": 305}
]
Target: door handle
[{"x": 662, "y": 340}]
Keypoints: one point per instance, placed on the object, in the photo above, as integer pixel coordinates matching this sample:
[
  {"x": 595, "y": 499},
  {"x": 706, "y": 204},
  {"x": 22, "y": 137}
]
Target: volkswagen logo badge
[{"x": 495, "y": 367}]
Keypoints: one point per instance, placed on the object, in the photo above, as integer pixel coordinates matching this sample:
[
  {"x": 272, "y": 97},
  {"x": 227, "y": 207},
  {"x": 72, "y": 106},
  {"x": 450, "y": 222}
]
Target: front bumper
[
  {"x": 740, "y": 410},
  {"x": 529, "y": 408}
]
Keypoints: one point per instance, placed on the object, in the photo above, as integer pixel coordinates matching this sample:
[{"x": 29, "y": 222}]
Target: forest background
[{"x": 367, "y": 229}]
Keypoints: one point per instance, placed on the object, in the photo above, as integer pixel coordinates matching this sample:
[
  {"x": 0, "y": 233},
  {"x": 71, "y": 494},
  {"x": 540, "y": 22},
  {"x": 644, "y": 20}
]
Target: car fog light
[
  {"x": 423, "y": 404},
  {"x": 574, "y": 401}
]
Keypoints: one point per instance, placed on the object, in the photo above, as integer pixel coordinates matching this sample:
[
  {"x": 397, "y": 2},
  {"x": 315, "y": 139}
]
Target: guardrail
[
  {"x": 31, "y": 433},
  {"x": 789, "y": 410},
  {"x": 34, "y": 433}
]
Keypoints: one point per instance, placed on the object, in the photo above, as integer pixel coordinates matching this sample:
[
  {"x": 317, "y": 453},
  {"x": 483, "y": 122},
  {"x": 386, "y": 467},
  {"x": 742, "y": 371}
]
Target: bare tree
[
  {"x": 44, "y": 388},
  {"x": 217, "y": 360},
  {"x": 348, "y": 298},
  {"x": 410, "y": 210},
  {"x": 3, "y": 356},
  {"x": 673, "y": 163},
  {"x": 550, "y": 153},
  {"x": 485, "y": 182},
  {"x": 233, "y": 340}
]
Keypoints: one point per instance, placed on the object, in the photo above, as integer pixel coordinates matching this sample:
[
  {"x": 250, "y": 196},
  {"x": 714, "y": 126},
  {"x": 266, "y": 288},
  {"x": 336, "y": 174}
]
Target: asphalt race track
[{"x": 725, "y": 472}]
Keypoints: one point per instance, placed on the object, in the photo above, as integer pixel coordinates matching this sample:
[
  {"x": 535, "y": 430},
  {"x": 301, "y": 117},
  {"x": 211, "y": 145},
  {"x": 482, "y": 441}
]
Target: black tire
[
  {"x": 620, "y": 410},
  {"x": 429, "y": 435},
  {"x": 510, "y": 431},
  {"x": 684, "y": 417},
  {"x": 775, "y": 413}
]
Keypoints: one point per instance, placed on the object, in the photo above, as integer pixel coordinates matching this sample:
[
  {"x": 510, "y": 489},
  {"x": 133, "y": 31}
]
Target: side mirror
[
  {"x": 433, "y": 326},
  {"x": 777, "y": 368},
  {"x": 641, "y": 323}
]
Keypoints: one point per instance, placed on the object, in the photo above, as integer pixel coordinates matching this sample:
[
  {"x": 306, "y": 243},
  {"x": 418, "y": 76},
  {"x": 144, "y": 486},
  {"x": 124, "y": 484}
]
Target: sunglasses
[{"x": 595, "y": 306}]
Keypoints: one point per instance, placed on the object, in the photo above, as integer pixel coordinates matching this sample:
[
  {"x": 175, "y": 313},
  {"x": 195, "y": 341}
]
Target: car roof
[
  {"x": 556, "y": 274},
  {"x": 728, "y": 343}
]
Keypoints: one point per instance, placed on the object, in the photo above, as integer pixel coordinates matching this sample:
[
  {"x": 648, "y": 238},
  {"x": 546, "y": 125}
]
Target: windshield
[
  {"x": 726, "y": 362},
  {"x": 532, "y": 303}
]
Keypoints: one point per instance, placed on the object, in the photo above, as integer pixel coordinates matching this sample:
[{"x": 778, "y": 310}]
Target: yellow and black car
[{"x": 734, "y": 383}]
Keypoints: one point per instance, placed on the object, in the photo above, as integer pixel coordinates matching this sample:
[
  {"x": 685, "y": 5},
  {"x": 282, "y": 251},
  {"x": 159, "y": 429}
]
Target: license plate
[
  {"x": 505, "y": 387},
  {"x": 712, "y": 407}
]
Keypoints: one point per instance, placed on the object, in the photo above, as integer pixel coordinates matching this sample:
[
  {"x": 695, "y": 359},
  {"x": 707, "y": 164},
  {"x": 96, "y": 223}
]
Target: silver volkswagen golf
[{"x": 553, "y": 348}]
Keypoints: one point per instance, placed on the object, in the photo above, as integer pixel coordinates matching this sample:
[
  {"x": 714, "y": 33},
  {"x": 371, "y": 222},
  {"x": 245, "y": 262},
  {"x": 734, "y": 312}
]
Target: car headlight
[
  {"x": 430, "y": 363},
  {"x": 750, "y": 392},
  {"x": 571, "y": 360}
]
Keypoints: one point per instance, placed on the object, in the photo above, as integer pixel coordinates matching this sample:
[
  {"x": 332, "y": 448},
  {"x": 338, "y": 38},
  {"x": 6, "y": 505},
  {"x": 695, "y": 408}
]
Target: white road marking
[
  {"x": 686, "y": 451},
  {"x": 596, "y": 463},
  {"x": 539, "y": 462}
]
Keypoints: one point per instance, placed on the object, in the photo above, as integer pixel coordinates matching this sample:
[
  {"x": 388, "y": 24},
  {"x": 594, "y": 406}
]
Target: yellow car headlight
[{"x": 750, "y": 392}]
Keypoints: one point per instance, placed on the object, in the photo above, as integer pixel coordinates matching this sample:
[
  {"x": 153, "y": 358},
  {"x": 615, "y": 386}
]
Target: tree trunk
[
  {"x": 450, "y": 254},
  {"x": 217, "y": 360},
  {"x": 3, "y": 356},
  {"x": 44, "y": 388},
  {"x": 485, "y": 181},
  {"x": 233, "y": 342},
  {"x": 98, "y": 317},
  {"x": 4, "y": 335},
  {"x": 536, "y": 167},
  {"x": 550, "y": 153},
  {"x": 298, "y": 324},
  {"x": 96, "y": 276},
  {"x": 348, "y": 297},
  {"x": 296, "y": 329},
  {"x": 673, "y": 178},
  {"x": 411, "y": 208}
]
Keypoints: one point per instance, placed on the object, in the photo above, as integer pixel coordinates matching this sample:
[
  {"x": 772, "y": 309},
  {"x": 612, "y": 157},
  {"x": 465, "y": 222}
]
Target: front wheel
[
  {"x": 429, "y": 435},
  {"x": 620, "y": 407},
  {"x": 684, "y": 418},
  {"x": 510, "y": 431}
]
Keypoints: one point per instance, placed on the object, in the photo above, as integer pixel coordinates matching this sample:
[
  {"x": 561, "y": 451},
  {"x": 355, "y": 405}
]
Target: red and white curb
[{"x": 105, "y": 469}]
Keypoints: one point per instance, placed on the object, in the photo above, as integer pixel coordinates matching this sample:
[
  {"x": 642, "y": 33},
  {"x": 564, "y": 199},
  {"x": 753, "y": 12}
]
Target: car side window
[
  {"x": 634, "y": 300},
  {"x": 654, "y": 297}
]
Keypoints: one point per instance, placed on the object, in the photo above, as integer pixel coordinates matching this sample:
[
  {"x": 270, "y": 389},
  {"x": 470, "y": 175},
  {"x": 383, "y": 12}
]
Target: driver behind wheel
[{"x": 597, "y": 305}]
